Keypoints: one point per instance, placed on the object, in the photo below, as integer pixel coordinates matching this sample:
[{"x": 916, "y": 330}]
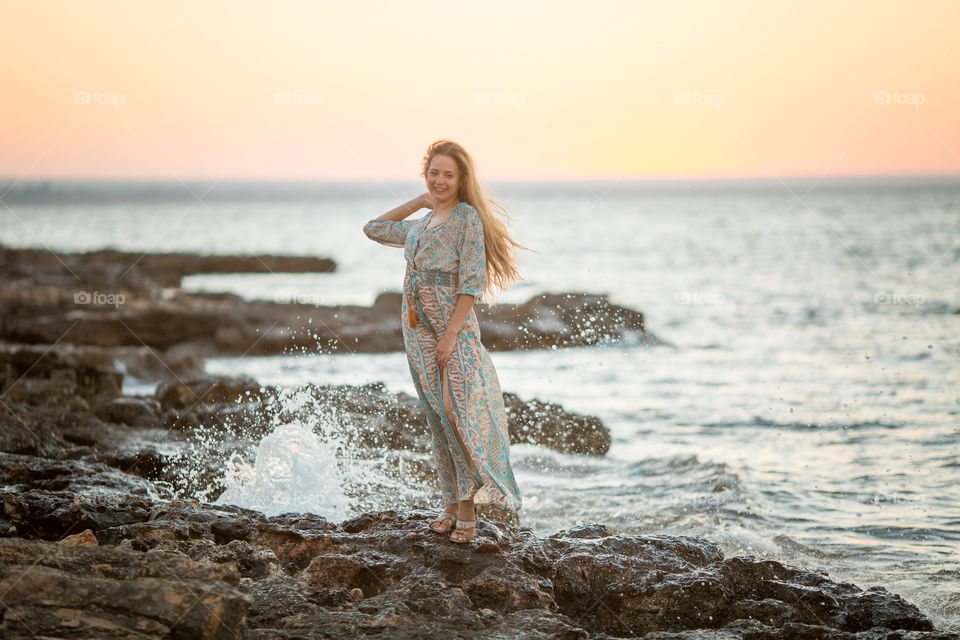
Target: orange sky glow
[{"x": 535, "y": 90}]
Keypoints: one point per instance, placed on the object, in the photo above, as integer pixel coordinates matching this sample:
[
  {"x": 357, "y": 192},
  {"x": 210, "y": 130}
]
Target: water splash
[
  {"x": 295, "y": 470},
  {"x": 315, "y": 461}
]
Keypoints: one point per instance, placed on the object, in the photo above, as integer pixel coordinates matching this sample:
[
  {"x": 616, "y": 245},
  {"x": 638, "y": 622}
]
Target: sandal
[
  {"x": 443, "y": 518},
  {"x": 463, "y": 525}
]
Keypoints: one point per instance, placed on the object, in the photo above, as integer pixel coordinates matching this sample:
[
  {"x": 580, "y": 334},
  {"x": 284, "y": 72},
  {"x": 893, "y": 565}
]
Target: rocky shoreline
[
  {"x": 117, "y": 299},
  {"x": 123, "y": 564},
  {"x": 109, "y": 530}
]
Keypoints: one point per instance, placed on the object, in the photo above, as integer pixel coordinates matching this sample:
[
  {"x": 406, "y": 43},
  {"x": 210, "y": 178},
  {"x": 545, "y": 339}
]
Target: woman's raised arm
[{"x": 391, "y": 229}]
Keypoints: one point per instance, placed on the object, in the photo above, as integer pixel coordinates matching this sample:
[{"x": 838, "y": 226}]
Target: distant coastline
[{"x": 55, "y": 191}]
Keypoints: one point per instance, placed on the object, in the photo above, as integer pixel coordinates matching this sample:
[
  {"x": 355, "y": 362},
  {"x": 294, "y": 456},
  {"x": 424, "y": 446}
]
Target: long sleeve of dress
[
  {"x": 472, "y": 274},
  {"x": 392, "y": 233}
]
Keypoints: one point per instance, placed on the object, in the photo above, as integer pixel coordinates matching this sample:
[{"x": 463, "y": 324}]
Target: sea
[{"x": 806, "y": 408}]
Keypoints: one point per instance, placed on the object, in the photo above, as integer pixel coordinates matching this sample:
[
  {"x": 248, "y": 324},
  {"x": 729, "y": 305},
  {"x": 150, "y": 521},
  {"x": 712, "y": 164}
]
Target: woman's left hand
[{"x": 445, "y": 349}]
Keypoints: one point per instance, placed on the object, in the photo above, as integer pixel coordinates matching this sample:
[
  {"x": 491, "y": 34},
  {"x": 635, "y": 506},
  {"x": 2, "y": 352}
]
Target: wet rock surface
[
  {"x": 94, "y": 541},
  {"x": 62, "y": 399},
  {"x": 180, "y": 442},
  {"x": 65, "y": 402},
  {"x": 91, "y": 591},
  {"x": 381, "y": 418},
  {"x": 101, "y": 537},
  {"x": 138, "y": 271},
  {"x": 116, "y": 299},
  {"x": 142, "y": 567}
]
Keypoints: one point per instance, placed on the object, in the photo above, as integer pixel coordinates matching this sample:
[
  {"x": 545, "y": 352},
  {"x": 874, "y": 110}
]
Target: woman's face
[{"x": 443, "y": 181}]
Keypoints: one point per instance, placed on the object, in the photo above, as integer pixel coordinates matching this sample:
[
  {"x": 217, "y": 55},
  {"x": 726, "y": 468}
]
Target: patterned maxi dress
[{"x": 442, "y": 262}]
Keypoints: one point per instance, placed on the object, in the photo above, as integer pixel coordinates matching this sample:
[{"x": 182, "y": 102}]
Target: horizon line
[{"x": 281, "y": 181}]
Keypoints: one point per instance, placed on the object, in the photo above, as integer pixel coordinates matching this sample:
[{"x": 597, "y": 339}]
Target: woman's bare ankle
[{"x": 467, "y": 510}]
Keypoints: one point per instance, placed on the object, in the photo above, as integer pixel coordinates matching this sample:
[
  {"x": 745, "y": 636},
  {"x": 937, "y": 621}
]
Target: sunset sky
[{"x": 535, "y": 90}]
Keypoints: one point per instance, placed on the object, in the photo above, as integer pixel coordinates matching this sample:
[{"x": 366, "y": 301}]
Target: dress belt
[{"x": 424, "y": 276}]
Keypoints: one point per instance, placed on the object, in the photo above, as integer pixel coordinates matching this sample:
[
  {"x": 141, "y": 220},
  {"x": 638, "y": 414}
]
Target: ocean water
[{"x": 809, "y": 411}]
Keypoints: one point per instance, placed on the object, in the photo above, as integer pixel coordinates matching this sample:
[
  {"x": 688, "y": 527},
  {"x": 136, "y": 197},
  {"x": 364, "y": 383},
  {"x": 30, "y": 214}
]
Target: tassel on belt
[{"x": 424, "y": 276}]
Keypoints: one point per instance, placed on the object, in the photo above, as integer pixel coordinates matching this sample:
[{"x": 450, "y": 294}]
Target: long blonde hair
[{"x": 498, "y": 245}]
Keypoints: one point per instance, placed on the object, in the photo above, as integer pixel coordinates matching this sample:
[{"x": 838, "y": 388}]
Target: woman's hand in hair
[{"x": 425, "y": 201}]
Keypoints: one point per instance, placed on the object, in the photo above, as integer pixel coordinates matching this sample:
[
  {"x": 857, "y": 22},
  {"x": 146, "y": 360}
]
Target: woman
[{"x": 453, "y": 255}]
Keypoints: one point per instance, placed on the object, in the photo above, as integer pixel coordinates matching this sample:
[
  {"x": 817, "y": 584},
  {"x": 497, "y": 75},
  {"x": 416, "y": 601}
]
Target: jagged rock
[
  {"x": 182, "y": 394},
  {"x": 109, "y": 592},
  {"x": 183, "y": 360},
  {"x": 47, "y": 396},
  {"x": 232, "y": 326},
  {"x": 375, "y": 417},
  {"x": 83, "y": 539},
  {"x": 388, "y": 573},
  {"x": 39, "y": 373},
  {"x": 130, "y": 300},
  {"x": 562, "y": 320},
  {"x": 132, "y": 411},
  {"x": 550, "y": 425},
  {"x": 110, "y": 268},
  {"x": 83, "y": 477},
  {"x": 64, "y": 402},
  {"x": 21, "y": 432}
]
